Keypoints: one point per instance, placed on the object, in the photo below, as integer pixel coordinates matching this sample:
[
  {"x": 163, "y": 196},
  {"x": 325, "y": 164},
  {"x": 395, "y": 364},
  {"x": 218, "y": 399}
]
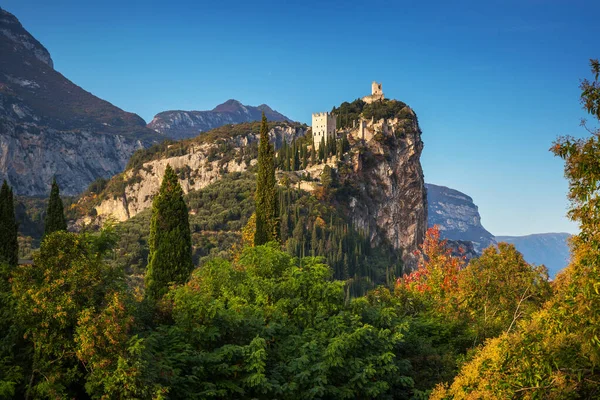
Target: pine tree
[
  {"x": 266, "y": 190},
  {"x": 55, "y": 217},
  {"x": 170, "y": 242},
  {"x": 9, "y": 245}
]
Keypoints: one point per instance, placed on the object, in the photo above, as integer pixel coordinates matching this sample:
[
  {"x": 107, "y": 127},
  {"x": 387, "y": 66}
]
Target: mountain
[
  {"x": 51, "y": 127},
  {"x": 188, "y": 124},
  {"x": 457, "y": 216},
  {"x": 550, "y": 249}
]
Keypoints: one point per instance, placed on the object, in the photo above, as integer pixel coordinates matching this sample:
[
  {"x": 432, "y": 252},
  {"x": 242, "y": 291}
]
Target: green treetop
[
  {"x": 170, "y": 243},
  {"x": 55, "y": 217}
]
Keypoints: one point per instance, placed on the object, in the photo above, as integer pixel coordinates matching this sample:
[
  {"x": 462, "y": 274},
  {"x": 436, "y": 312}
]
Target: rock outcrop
[
  {"x": 389, "y": 200},
  {"x": 51, "y": 127},
  {"x": 457, "y": 217},
  {"x": 188, "y": 124}
]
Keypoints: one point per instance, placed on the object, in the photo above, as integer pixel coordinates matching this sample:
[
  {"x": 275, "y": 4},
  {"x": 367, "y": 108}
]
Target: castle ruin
[
  {"x": 376, "y": 93},
  {"x": 323, "y": 128}
]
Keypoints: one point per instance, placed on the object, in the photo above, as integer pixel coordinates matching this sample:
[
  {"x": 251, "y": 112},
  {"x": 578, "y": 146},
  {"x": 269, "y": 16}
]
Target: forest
[{"x": 94, "y": 316}]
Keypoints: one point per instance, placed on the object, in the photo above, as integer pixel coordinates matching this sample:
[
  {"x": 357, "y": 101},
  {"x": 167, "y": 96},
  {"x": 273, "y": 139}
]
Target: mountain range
[
  {"x": 550, "y": 249},
  {"x": 179, "y": 124},
  {"x": 50, "y": 127}
]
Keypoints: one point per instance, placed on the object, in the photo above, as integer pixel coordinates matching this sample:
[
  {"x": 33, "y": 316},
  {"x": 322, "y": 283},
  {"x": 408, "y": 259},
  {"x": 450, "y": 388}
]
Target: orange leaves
[{"x": 437, "y": 271}]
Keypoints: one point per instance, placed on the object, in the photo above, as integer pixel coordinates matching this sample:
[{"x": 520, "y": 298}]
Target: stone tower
[
  {"x": 376, "y": 89},
  {"x": 376, "y": 93},
  {"x": 323, "y": 128}
]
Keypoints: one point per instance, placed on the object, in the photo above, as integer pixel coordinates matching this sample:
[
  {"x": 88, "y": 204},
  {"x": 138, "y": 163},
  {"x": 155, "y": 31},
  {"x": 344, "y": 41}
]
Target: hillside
[
  {"x": 378, "y": 181},
  {"x": 50, "y": 126},
  {"x": 179, "y": 124}
]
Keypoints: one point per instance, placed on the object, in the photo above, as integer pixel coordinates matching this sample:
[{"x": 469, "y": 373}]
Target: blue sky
[{"x": 493, "y": 82}]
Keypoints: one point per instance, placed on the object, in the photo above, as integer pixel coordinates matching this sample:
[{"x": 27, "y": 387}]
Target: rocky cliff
[
  {"x": 51, "y": 127},
  {"x": 188, "y": 124},
  {"x": 550, "y": 249},
  {"x": 388, "y": 199},
  {"x": 457, "y": 217}
]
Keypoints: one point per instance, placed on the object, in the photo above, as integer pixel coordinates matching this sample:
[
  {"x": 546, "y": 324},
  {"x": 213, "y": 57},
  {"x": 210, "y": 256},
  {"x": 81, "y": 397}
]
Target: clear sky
[{"x": 492, "y": 82}]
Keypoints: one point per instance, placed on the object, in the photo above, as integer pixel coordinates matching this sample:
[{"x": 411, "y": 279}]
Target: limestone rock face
[
  {"x": 51, "y": 127},
  {"x": 457, "y": 217},
  {"x": 187, "y": 124},
  {"x": 391, "y": 200}
]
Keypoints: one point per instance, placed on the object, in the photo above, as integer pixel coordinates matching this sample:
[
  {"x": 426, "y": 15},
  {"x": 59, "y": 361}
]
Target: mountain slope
[
  {"x": 457, "y": 216},
  {"x": 550, "y": 249},
  {"x": 179, "y": 124},
  {"x": 50, "y": 126}
]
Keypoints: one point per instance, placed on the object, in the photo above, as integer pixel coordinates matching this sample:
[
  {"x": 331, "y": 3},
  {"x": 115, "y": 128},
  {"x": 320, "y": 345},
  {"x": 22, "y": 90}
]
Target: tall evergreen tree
[
  {"x": 9, "y": 246},
  {"x": 170, "y": 242},
  {"x": 55, "y": 217},
  {"x": 266, "y": 190}
]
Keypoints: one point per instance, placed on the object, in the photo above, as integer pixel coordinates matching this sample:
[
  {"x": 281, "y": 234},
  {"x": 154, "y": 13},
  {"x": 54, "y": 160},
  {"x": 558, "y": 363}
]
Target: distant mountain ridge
[
  {"x": 51, "y": 127},
  {"x": 550, "y": 249},
  {"x": 178, "y": 124},
  {"x": 459, "y": 221}
]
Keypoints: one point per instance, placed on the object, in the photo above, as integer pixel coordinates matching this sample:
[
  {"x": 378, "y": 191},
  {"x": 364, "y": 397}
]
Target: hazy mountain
[
  {"x": 179, "y": 124},
  {"x": 50, "y": 126},
  {"x": 550, "y": 249},
  {"x": 457, "y": 216}
]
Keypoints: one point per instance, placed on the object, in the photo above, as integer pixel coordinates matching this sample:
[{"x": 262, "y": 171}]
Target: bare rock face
[
  {"x": 457, "y": 217},
  {"x": 390, "y": 202},
  {"x": 187, "y": 124},
  {"x": 51, "y": 127}
]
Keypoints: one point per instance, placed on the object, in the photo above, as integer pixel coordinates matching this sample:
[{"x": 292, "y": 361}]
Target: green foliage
[
  {"x": 266, "y": 327},
  {"x": 266, "y": 189},
  {"x": 9, "y": 246},
  {"x": 347, "y": 113},
  {"x": 68, "y": 276},
  {"x": 170, "y": 243},
  {"x": 309, "y": 226},
  {"x": 55, "y": 217}
]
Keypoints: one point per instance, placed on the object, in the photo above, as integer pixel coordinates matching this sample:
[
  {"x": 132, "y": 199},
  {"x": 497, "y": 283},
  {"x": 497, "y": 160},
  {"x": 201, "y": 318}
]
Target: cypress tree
[
  {"x": 322, "y": 155},
  {"x": 55, "y": 217},
  {"x": 266, "y": 190},
  {"x": 170, "y": 242},
  {"x": 9, "y": 245}
]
